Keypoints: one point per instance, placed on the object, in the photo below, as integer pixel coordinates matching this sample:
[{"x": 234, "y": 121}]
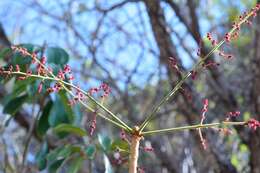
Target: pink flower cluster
[
  {"x": 205, "y": 109},
  {"x": 173, "y": 64},
  {"x": 253, "y": 124},
  {"x": 93, "y": 124},
  {"x": 148, "y": 149},
  {"x": 236, "y": 25},
  {"x": 213, "y": 41},
  {"x": 103, "y": 87},
  {"x": 232, "y": 115}
]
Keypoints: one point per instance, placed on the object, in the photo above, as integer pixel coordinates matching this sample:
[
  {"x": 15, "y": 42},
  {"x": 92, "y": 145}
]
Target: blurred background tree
[{"x": 127, "y": 43}]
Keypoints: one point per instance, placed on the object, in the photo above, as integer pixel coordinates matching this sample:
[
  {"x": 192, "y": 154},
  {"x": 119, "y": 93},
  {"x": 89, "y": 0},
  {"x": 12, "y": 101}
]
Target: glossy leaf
[
  {"x": 105, "y": 142},
  {"x": 68, "y": 109},
  {"x": 5, "y": 52},
  {"x": 41, "y": 156},
  {"x": 53, "y": 168},
  {"x": 15, "y": 104},
  {"x": 90, "y": 151},
  {"x": 42, "y": 123},
  {"x": 58, "y": 115},
  {"x": 59, "y": 153},
  {"x": 75, "y": 165},
  {"x": 119, "y": 143},
  {"x": 57, "y": 55},
  {"x": 70, "y": 129}
]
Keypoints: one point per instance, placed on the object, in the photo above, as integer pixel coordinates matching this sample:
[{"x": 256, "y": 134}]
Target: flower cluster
[
  {"x": 118, "y": 159},
  {"x": 42, "y": 70},
  {"x": 232, "y": 115},
  {"x": 148, "y": 149},
  {"x": 244, "y": 17},
  {"x": 204, "y": 109},
  {"x": 93, "y": 124},
  {"x": 210, "y": 64},
  {"x": 123, "y": 135},
  {"x": 213, "y": 41},
  {"x": 62, "y": 80},
  {"x": 233, "y": 34},
  {"x": 103, "y": 87},
  {"x": 193, "y": 74},
  {"x": 253, "y": 124},
  {"x": 174, "y": 64},
  {"x": 203, "y": 117}
]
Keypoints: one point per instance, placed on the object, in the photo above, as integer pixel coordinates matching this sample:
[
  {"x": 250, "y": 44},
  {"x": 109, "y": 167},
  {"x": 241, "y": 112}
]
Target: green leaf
[
  {"x": 90, "y": 151},
  {"x": 14, "y": 105},
  {"x": 70, "y": 129},
  {"x": 59, "y": 153},
  {"x": 57, "y": 55},
  {"x": 41, "y": 156},
  {"x": 42, "y": 123},
  {"x": 58, "y": 115},
  {"x": 119, "y": 143},
  {"x": 77, "y": 114},
  {"x": 68, "y": 109},
  {"x": 108, "y": 166},
  {"x": 105, "y": 142},
  {"x": 5, "y": 51},
  {"x": 55, "y": 166},
  {"x": 75, "y": 165}
]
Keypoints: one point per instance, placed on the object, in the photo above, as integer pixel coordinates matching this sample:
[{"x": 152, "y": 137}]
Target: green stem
[
  {"x": 191, "y": 127},
  {"x": 87, "y": 94},
  {"x": 64, "y": 84},
  {"x": 179, "y": 84}
]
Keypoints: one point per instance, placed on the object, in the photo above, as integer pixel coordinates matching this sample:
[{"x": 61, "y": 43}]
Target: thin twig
[
  {"x": 192, "y": 127},
  {"x": 195, "y": 67}
]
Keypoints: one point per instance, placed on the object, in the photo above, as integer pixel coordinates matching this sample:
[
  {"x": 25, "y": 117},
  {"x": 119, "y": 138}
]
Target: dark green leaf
[
  {"x": 59, "y": 153},
  {"x": 42, "y": 123},
  {"x": 41, "y": 156},
  {"x": 57, "y": 55},
  {"x": 70, "y": 129},
  {"x": 68, "y": 109},
  {"x": 5, "y": 52},
  {"x": 58, "y": 115},
  {"x": 14, "y": 105},
  {"x": 90, "y": 151},
  {"x": 55, "y": 166}
]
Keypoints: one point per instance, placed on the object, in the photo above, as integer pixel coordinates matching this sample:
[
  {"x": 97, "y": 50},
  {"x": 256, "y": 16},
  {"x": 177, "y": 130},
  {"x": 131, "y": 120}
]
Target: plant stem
[
  {"x": 134, "y": 153},
  {"x": 55, "y": 78},
  {"x": 195, "y": 67},
  {"x": 191, "y": 127},
  {"x": 64, "y": 84}
]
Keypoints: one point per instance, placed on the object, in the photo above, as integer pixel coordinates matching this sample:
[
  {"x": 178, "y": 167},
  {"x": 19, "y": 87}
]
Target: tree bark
[
  {"x": 254, "y": 139},
  {"x": 134, "y": 152}
]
